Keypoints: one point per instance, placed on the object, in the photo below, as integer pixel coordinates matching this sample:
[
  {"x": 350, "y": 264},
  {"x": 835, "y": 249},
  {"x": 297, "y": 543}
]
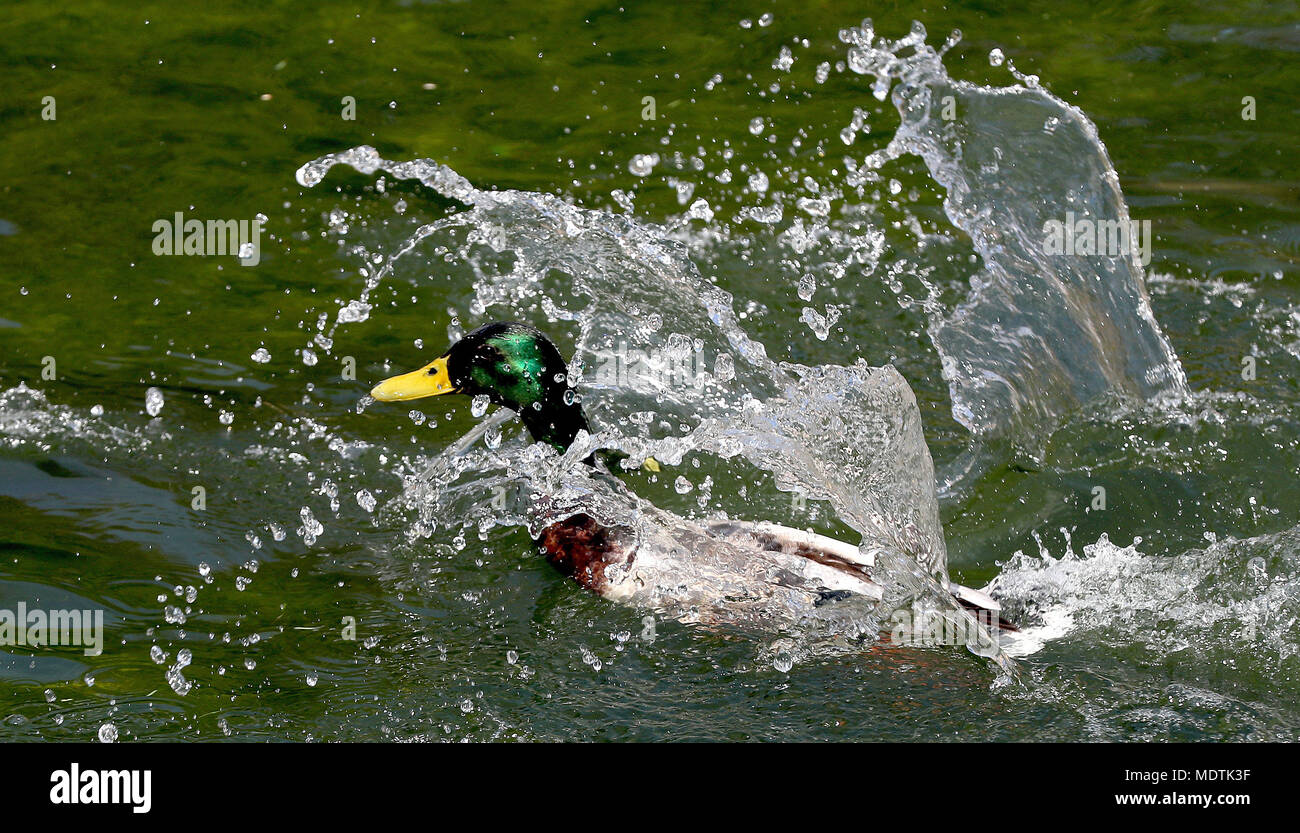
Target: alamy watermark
[
  {"x": 34, "y": 628},
  {"x": 179, "y": 236},
  {"x": 1083, "y": 236},
  {"x": 74, "y": 785},
  {"x": 672, "y": 367}
]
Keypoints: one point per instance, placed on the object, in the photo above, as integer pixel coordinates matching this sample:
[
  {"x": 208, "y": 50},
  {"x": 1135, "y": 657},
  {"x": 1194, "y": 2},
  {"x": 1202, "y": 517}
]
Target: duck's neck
[{"x": 555, "y": 422}]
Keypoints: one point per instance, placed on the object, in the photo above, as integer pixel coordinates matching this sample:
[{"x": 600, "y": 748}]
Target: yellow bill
[{"x": 430, "y": 380}]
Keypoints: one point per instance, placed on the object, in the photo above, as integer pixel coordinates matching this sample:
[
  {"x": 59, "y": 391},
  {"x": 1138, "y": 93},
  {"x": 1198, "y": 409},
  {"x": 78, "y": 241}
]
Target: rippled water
[{"x": 813, "y": 287}]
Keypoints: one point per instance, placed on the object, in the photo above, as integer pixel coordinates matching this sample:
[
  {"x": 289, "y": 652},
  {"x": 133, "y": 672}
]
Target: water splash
[
  {"x": 850, "y": 436},
  {"x": 1036, "y": 336},
  {"x": 1234, "y": 600},
  {"x": 1033, "y": 339}
]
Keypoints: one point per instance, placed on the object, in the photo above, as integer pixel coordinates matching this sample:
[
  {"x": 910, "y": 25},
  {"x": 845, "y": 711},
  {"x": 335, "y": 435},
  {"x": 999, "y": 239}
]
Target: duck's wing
[
  {"x": 842, "y": 565},
  {"x": 787, "y": 539}
]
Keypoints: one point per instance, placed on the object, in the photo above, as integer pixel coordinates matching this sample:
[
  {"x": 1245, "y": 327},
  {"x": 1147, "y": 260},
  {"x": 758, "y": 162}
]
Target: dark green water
[{"x": 209, "y": 110}]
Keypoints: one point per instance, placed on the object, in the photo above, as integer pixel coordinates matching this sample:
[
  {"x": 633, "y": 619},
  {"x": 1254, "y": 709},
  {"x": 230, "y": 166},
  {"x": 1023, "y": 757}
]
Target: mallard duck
[{"x": 716, "y": 572}]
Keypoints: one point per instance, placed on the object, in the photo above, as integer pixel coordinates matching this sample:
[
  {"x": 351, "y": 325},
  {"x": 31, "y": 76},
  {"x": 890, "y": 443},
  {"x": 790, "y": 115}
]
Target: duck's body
[
  {"x": 723, "y": 573},
  {"x": 716, "y": 572}
]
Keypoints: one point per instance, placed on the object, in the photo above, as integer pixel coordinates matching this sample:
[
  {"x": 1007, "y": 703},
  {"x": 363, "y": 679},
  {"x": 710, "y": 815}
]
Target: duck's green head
[{"x": 512, "y": 364}]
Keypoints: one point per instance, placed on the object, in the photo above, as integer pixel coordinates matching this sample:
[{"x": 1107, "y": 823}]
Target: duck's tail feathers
[{"x": 984, "y": 606}]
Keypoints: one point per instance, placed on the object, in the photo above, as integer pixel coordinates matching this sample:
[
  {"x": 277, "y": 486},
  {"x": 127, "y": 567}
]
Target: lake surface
[{"x": 687, "y": 184}]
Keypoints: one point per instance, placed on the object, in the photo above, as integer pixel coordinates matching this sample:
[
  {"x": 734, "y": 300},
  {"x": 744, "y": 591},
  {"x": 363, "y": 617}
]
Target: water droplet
[
  {"x": 996, "y": 57},
  {"x": 756, "y": 125},
  {"x": 261, "y": 355},
  {"x": 785, "y": 60},
  {"x": 107, "y": 733},
  {"x": 479, "y": 405},
  {"x": 311, "y": 528},
  {"x": 354, "y": 311},
  {"x": 700, "y": 210},
  {"x": 818, "y": 323},
  {"x": 153, "y": 402},
  {"x": 724, "y": 368},
  {"x": 589, "y": 658},
  {"x": 643, "y": 163}
]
